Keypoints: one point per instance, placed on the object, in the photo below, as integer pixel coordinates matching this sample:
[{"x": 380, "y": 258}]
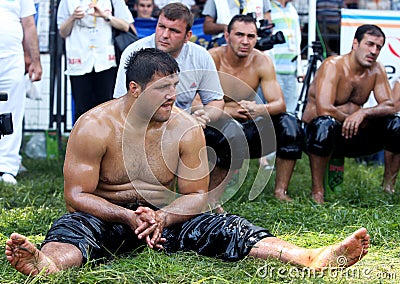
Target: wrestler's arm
[
  {"x": 193, "y": 179},
  {"x": 383, "y": 95},
  {"x": 396, "y": 95},
  {"x": 270, "y": 87},
  {"x": 85, "y": 150},
  {"x": 326, "y": 85}
]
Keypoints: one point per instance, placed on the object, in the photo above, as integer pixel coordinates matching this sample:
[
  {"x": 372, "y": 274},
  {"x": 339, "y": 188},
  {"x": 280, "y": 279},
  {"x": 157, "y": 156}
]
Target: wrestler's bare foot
[
  {"x": 344, "y": 254},
  {"x": 318, "y": 197},
  {"x": 282, "y": 195},
  {"x": 26, "y": 258},
  {"x": 388, "y": 188}
]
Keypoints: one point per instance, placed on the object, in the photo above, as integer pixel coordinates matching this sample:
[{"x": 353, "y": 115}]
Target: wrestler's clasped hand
[
  {"x": 352, "y": 123},
  {"x": 149, "y": 227},
  {"x": 251, "y": 109}
]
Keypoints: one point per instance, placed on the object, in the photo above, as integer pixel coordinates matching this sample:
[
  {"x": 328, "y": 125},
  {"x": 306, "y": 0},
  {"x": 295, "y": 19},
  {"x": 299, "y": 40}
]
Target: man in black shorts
[
  {"x": 242, "y": 70},
  {"x": 337, "y": 124},
  {"x": 123, "y": 161}
]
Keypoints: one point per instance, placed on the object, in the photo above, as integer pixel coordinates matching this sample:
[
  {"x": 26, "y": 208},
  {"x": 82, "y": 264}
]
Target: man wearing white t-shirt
[
  {"x": 18, "y": 29},
  {"x": 197, "y": 69}
]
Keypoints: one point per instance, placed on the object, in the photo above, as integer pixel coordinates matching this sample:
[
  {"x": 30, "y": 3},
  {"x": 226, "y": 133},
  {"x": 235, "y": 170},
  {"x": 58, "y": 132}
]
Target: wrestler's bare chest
[
  {"x": 152, "y": 159},
  {"x": 355, "y": 89},
  {"x": 239, "y": 83}
]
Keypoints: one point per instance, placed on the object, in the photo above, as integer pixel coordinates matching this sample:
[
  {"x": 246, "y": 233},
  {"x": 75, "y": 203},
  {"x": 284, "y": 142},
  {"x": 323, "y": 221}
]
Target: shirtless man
[
  {"x": 337, "y": 123},
  {"x": 248, "y": 69},
  {"x": 117, "y": 205}
]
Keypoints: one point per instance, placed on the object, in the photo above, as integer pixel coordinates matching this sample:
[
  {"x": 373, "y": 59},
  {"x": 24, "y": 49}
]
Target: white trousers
[{"x": 12, "y": 82}]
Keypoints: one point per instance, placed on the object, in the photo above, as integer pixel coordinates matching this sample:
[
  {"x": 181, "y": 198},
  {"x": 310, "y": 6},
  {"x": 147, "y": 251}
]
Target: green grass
[{"x": 31, "y": 207}]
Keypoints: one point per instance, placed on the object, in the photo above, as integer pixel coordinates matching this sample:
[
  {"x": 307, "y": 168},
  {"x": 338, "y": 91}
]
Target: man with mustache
[
  {"x": 337, "y": 124},
  {"x": 242, "y": 70}
]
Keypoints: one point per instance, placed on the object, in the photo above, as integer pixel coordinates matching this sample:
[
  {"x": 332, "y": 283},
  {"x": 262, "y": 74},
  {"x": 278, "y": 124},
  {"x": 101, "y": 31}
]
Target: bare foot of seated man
[
  {"x": 27, "y": 259},
  {"x": 318, "y": 197}
]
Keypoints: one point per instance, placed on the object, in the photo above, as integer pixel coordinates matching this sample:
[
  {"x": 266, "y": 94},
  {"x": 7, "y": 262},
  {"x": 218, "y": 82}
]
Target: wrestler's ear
[
  {"x": 226, "y": 35},
  {"x": 134, "y": 88},
  {"x": 355, "y": 44}
]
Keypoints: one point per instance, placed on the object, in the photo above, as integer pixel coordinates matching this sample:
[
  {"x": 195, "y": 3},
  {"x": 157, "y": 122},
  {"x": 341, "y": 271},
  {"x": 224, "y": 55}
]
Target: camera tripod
[{"x": 311, "y": 69}]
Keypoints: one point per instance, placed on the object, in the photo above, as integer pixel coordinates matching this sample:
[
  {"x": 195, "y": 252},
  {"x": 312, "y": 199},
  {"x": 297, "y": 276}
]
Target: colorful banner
[
  {"x": 388, "y": 21},
  {"x": 146, "y": 27}
]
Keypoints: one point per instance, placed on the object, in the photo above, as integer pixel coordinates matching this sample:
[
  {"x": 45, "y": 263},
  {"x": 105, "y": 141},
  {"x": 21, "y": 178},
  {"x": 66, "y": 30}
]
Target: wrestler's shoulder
[
  {"x": 260, "y": 57},
  {"x": 102, "y": 116}
]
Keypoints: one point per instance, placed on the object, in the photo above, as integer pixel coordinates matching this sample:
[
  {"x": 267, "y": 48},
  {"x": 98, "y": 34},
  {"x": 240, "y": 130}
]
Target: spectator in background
[
  {"x": 18, "y": 31},
  {"x": 286, "y": 19},
  {"x": 218, "y": 14},
  {"x": 197, "y": 9},
  {"x": 328, "y": 17},
  {"x": 302, "y": 9},
  {"x": 144, "y": 9},
  {"x": 91, "y": 66}
]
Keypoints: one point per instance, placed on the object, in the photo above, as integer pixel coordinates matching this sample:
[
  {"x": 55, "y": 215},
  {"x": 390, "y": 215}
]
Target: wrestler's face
[
  {"x": 171, "y": 35},
  {"x": 367, "y": 51},
  {"x": 242, "y": 38},
  {"x": 158, "y": 97}
]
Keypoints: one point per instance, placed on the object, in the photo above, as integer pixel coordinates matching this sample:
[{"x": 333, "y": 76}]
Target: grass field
[{"x": 30, "y": 208}]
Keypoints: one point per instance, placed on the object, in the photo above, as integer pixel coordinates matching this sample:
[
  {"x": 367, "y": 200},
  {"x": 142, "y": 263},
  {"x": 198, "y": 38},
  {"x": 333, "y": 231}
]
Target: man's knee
[
  {"x": 393, "y": 134},
  {"x": 289, "y": 136},
  {"x": 320, "y": 135}
]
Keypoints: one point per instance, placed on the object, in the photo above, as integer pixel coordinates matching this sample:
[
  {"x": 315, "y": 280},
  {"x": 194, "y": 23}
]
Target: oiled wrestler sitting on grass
[{"x": 122, "y": 159}]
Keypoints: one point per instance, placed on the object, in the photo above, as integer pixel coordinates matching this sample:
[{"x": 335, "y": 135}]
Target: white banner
[{"x": 388, "y": 21}]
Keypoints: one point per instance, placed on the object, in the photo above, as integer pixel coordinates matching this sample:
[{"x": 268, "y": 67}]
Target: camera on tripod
[
  {"x": 6, "y": 125},
  {"x": 267, "y": 40}
]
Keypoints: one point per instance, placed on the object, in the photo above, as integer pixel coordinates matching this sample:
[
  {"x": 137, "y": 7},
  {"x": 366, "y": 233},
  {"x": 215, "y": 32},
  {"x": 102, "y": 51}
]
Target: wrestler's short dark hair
[
  {"x": 370, "y": 30},
  {"x": 142, "y": 65},
  {"x": 241, "y": 18},
  {"x": 178, "y": 11}
]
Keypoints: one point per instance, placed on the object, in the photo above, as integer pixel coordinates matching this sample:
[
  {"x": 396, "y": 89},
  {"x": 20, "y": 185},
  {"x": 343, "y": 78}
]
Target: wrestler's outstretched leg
[
  {"x": 27, "y": 259},
  {"x": 343, "y": 254}
]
